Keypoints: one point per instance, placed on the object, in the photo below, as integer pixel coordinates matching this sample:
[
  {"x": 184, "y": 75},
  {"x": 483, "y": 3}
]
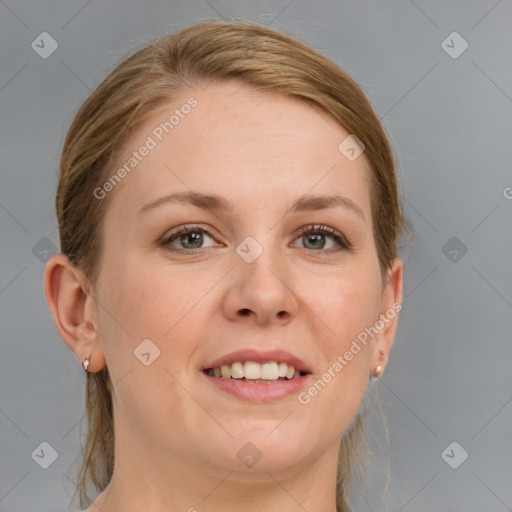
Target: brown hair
[{"x": 208, "y": 52}]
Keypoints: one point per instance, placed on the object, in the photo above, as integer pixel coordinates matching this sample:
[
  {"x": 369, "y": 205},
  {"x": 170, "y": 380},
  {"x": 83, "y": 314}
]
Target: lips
[{"x": 280, "y": 356}]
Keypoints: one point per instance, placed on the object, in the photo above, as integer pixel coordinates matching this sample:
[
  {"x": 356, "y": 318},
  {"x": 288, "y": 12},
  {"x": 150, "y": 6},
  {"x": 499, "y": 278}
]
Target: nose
[{"x": 261, "y": 292}]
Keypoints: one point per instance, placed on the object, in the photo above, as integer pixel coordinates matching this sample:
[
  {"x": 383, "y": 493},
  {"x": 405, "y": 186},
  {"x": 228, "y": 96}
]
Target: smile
[
  {"x": 255, "y": 382},
  {"x": 251, "y": 371}
]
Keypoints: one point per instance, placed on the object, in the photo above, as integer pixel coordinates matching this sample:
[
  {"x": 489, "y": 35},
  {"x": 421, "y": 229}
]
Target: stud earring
[
  {"x": 85, "y": 362},
  {"x": 378, "y": 371}
]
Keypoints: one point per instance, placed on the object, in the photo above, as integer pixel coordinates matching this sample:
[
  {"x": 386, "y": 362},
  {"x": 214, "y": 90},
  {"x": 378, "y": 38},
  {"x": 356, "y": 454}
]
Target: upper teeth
[{"x": 252, "y": 370}]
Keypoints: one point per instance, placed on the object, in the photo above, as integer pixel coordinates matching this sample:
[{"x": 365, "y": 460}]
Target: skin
[{"x": 176, "y": 437}]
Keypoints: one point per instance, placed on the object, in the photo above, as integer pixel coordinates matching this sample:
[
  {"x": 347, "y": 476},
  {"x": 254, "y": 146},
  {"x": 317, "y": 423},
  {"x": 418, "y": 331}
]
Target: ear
[
  {"x": 391, "y": 305},
  {"x": 69, "y": 297}
]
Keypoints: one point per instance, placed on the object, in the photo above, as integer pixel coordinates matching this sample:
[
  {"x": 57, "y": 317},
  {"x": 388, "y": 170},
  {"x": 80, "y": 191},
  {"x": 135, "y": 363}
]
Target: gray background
[{"x": 450, "y": 121}]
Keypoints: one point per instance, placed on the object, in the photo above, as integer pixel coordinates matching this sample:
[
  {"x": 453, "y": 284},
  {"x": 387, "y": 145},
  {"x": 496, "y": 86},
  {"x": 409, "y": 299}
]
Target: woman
[{"x": 229, "y": 276}]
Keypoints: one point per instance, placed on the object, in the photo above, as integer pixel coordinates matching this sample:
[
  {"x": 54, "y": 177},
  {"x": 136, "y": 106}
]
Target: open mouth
[{"x": 253, "y": 372}]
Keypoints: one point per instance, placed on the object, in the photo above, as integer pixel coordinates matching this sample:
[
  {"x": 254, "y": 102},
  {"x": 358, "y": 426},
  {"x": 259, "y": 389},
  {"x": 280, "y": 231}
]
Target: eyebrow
[
  {"x": 311, "y": 202},
  {"x": 204, "y": 201},
  {"x": 218, "y": 203}
]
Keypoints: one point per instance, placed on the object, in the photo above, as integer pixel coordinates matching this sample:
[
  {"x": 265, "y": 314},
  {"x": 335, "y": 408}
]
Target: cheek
[
  {"x": 344, "y": 305},
  {"x": 156, "y": 301},
  {"x": 144, "y": 310},
  {"x": 129, "y": 312}
]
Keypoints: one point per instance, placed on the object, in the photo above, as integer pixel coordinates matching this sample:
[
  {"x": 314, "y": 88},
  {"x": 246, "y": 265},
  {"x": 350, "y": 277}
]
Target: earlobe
[
  {"x": 391, "y": 305},
  {"x": 71, "y": 305}
]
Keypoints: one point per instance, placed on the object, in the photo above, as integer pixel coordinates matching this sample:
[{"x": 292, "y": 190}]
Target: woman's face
[{"x": 253, "y": 273}]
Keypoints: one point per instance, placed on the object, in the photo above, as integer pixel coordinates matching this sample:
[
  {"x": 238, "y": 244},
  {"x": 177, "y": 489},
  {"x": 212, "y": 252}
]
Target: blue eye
[
  {"x": 187, "y": 239},
  {"x": 314, "y": 238}
]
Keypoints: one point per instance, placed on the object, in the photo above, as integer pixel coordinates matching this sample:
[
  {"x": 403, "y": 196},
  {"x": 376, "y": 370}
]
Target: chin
[{"x": 262, "y": 451}]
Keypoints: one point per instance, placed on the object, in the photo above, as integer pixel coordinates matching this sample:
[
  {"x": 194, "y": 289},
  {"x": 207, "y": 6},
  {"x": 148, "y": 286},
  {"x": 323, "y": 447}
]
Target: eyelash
[{"x": 343, "y": 243}]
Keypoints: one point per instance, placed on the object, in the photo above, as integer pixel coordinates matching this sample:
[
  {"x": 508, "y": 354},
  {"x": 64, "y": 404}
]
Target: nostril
[{"x": 245, "y": 311}]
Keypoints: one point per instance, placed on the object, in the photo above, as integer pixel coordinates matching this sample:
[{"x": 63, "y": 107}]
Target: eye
[
  {"x": 187, "y": 238},
  {"x": 314, "y": 238}
]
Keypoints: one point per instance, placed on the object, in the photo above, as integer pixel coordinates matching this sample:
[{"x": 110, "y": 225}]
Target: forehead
[{"x": 227, "y": 134}]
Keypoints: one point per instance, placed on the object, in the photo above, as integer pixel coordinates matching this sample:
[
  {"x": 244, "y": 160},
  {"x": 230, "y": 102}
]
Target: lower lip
[{"x": 263, "y": 393}]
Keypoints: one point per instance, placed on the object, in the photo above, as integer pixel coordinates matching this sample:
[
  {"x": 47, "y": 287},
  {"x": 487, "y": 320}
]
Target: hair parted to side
[{"x": 209, "y": 52}]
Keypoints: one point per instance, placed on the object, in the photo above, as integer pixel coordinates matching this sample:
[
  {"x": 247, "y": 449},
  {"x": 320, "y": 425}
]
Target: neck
[{"x": 156, "y": 485}]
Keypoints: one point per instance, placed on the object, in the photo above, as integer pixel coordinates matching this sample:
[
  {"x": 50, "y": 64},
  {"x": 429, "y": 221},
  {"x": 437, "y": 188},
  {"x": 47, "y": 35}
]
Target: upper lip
[{"x": 281, "y": 356}]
